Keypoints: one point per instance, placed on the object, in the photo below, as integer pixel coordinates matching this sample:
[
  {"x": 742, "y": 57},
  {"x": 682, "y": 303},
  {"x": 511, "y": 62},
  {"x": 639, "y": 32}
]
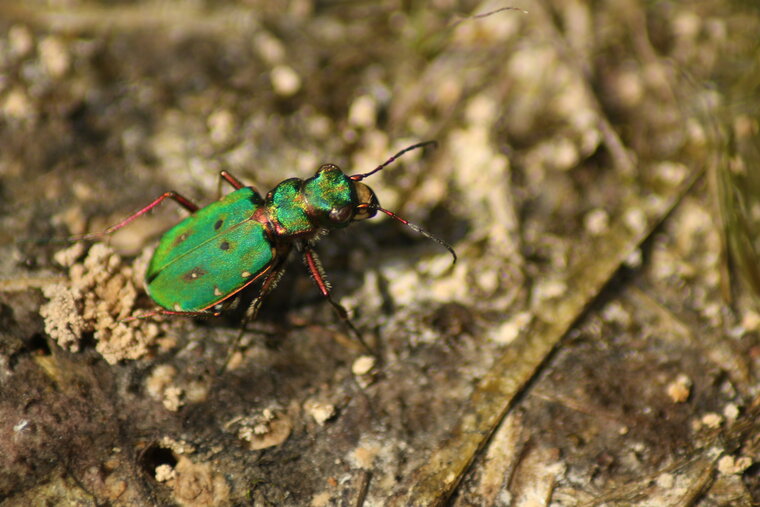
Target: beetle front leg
[{"x": 318, "y": 275}]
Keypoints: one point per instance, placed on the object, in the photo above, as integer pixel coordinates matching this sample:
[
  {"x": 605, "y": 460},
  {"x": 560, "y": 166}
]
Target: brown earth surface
[{"x": 596, "y": 342}]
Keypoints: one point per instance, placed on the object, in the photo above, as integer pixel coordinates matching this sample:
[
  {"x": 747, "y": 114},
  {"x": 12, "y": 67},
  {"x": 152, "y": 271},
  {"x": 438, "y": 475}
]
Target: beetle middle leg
[
  {"x": 270, "y": 282},
  {"x": 318, "y": 275},
  {"x": 233, "y": 181}
]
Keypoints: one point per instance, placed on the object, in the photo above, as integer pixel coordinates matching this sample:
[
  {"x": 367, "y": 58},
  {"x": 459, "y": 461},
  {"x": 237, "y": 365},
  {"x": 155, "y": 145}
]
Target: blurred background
[{"x": 596, "y": 172}]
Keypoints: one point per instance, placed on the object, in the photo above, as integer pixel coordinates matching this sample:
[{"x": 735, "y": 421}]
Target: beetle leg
[
  {"x": 318, "y": 275},
  {"x": 270, "y": 282},
  {"x": 203, "y": 313},
  {"x": 229, "y": 178},
  {"x": 183, "y": 201}
]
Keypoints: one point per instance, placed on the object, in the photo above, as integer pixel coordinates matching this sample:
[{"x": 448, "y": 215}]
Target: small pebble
[{"x": 363, "y": 365}]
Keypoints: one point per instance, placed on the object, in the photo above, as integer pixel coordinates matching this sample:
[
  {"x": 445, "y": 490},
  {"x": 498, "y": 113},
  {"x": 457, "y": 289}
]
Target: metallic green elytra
[{"x": 210, "y": 256}]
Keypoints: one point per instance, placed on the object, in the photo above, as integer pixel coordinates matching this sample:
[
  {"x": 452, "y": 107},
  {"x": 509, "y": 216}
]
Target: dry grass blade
[
  {"x": 434, "y": 482},
  {"x": 738, "y": 195}
]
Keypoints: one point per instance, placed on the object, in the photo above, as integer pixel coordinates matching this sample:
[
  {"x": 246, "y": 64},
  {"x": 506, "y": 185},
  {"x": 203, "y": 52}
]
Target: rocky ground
[{"x": 596, "y": 341}]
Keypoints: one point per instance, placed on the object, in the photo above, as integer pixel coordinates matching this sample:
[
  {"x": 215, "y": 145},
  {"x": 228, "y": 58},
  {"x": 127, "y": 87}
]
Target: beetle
[{"x": 201, "y": 263}]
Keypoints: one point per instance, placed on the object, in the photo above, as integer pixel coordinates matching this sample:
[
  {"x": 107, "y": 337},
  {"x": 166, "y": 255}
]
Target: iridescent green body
[
  {"x": 210, "y": 255},
  {"x": 300, "y": 207},
  {"x": 219, "y": 249}
]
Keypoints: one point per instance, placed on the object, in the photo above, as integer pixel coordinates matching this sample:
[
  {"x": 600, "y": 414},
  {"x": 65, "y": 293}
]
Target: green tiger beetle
[{"x": 217, "y": 251}]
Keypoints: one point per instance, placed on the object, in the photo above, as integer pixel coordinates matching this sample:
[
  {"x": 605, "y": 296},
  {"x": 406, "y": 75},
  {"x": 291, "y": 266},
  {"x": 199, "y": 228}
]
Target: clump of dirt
[{"x": 100, "y": 300}]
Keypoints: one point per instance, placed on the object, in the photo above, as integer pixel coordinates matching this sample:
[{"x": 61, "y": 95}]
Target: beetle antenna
[
  {"x": 359, "y": 177},
  {"x": 416, "y": 228}
]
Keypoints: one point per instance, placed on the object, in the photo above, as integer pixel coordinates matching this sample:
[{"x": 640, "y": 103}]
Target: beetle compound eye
[
  {"x": 364, "y": 212},
  {"x": 340, "y": 215},
  {"x": 367, "y": 202}
]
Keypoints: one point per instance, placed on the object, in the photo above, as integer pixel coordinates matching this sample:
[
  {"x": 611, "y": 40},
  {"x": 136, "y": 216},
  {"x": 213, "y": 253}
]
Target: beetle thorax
[{"x": 302, "y": 208}]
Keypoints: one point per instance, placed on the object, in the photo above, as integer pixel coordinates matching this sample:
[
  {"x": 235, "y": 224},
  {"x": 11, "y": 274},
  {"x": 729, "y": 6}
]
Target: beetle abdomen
[{"x": 210, "y": 255}]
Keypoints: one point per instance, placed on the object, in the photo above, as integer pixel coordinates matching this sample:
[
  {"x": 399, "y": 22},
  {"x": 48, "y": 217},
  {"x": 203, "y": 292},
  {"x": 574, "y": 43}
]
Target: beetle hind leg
[
  {"x": 180, "y": 199},
  {"x": 203, "y": 313}
]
